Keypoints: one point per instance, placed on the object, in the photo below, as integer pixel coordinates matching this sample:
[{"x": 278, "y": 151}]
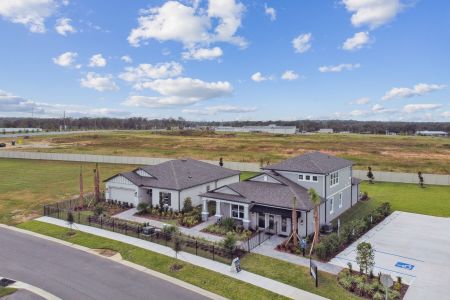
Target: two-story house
[{"x": 266, "y": 200}]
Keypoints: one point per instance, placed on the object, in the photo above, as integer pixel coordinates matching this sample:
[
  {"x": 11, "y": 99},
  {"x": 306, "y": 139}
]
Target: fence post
[
  {"x": 101, "y": 222},
  {"x": 248, "y": 244},
  {"x": 113, "y": 224},
  {"x": 196, "y": 247},
  {"x": 89, "y": 220},
  {"x": 79, "y": 217},
  {"x": 259, "y": 238},
  {"x": 58, "y": 210},
  {"x": 213, "y": 252}
]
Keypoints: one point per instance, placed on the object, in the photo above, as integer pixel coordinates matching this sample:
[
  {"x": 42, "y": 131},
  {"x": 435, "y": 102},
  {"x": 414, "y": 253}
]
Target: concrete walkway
[
  {"x": 193, "y": 232},
  {"x": 268, "y": 249},
  {"x": 251, "y": 278},
  {"x": 32, "y": 292}
]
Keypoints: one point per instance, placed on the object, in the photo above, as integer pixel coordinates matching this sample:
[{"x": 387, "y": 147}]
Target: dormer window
[
  {"x": 308, "y": 177},
  {"x": 300, "y": 177},
  {"x": 314, "y": 178}
]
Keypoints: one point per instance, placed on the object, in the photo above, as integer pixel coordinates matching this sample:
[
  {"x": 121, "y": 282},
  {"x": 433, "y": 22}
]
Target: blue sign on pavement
[{"x": 403, "y": 265}]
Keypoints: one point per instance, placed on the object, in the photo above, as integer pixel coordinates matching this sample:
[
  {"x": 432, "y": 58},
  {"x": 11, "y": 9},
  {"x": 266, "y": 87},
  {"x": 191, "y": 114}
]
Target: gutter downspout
[
  {"x": 307, "y": 223},
  {"x": 326, "y": 200}
]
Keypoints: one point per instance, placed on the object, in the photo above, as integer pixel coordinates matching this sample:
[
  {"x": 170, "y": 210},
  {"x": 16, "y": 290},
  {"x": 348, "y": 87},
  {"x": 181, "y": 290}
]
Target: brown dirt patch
[{"x": 106, "y": 252}]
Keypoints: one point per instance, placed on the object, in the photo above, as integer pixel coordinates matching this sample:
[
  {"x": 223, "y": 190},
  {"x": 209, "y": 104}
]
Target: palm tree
[
  {"x": 294, "y": 234},
  {"x": 315, "y": 199}
]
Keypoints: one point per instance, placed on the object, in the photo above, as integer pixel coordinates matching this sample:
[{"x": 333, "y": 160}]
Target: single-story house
[
  {"x": 266, "y": 200},
  {"x": 168, "y": 183}
]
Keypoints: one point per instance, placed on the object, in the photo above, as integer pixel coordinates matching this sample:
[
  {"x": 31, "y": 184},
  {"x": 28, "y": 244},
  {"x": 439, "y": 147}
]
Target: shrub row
[{"x": 331, "y": 244}]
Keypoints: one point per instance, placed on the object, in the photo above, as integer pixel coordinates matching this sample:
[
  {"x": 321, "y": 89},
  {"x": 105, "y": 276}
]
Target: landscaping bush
[
  {"x": 228, "y": 224},
  {"x": 142, "y": 208},
  {"x": 229, "y": 242},
  {"x": 187, "y": 205}
]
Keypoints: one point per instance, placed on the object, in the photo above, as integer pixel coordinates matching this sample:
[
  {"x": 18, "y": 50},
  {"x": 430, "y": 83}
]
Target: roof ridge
[{"x": 174, "y": 174}]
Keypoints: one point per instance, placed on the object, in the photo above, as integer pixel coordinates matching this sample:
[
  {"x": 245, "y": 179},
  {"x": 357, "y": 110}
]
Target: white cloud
[
  {"x": 289, "y": 75},
  {"x": 271, "y": 12},
  {"x": 372, "y": 13},
  {"x": 202, "y": 53},
  {"x": 127, "y": 59},
  {"x": 380, "y": 109},
  {"x": 358, "y": 41},
  {"x": 19, "y": 106},
  {"x": 302, "y": 43},
  {"x": 97, "y": 60},
  {"x": 213, "y": 110},
  {"x": 339, "y": 68},
  {"x": 66, "y": 59},
  {"x": 147, "y": 72},
  {"x": 31, "y": 13},
  {"x": 63, "y": 26},
  {"x": 446, "y": 114},
  {"x": 418, "y": 90},
  {"x": 179, "y": 91},
  {"x": 361, "y": 101},
  {"x": 189, "y": 24},
  {"x": 358, "y": 113},
  {"x": 99, "y": 82},
  {"x": 412, "y": 108},
  {"x": 258, "y": 77}
]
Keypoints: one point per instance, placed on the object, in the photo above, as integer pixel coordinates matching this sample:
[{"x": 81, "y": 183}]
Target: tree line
[{"x": 374, "y": 127}]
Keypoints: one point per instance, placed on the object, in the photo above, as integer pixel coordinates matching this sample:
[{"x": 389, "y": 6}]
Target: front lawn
[
  {"x": 5, "y": 291},
  {"x": 433, "y": 200},
  {"x": 211, "y": 281},
  {"x": 295, "y": 275}
]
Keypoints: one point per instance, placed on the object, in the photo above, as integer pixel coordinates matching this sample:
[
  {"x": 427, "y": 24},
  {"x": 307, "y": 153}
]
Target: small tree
[
  {"x": 370, "y": 175},
  {"x": 99, "y": 210},
  {"x": 421, "y": 182},
  {"x": 142, "y": 208},
  {"x": 176, "y": 245},
  {"x": 187, "y": 205},
  {"x": 70, "y": 219},
  {"x": 221, "y": 162},
  {"x": 365, "y": 257},
  {"x": 315, "y": 199}
]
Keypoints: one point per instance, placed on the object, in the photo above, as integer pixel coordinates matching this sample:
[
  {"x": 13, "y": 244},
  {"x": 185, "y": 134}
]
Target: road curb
[
  {"x": 126, "y": 263},
  {"x": 32, "y": 289}
]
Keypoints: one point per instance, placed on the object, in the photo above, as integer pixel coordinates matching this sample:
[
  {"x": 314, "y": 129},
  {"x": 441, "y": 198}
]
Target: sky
[{"x": 226, "y": 60}]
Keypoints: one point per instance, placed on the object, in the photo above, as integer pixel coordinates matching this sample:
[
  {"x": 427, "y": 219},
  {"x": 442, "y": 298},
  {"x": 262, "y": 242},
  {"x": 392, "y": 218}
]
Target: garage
[{"x": 122, "y": 194}]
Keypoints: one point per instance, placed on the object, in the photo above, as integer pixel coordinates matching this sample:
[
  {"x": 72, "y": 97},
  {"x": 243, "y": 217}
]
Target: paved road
[{"x": 73, "y": 274}]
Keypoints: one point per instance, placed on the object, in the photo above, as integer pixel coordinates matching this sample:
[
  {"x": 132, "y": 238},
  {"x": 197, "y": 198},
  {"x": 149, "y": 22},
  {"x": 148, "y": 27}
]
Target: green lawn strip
[
  {"x": 247, "y": 174},
  {"x": 5, "y": 291},
  {"x": 295, "y": 275},
  {"x": 206, "y": 279}
]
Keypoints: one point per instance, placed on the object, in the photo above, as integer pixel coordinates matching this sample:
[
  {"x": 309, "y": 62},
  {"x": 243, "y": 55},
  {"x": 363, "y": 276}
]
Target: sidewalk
[
  {"x": 193, "y": 232},
  {"x": 268, "y": 249},
  {"x": 251, "y": 278}
]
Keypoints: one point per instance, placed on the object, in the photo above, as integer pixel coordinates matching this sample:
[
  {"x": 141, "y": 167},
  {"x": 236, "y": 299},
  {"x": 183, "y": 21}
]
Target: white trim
[
  {"x": 341, "y": 190},
  {"x": 238, "y": 211},
  {"x": 340, "y": 200}
]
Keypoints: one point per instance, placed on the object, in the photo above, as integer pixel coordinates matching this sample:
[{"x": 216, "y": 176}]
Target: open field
[
  {"x": 383, "y": 153},
  {"x": 26, "y": 185},
  {"x": 433, "y": 200}
]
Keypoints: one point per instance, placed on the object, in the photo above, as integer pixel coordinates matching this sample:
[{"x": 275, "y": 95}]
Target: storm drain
[{"x": 5, "y": 282}]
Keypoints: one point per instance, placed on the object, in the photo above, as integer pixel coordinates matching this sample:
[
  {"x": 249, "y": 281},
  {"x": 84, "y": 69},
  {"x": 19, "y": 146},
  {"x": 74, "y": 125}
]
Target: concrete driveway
[
  {"x": 415, "y": 247},
  {"x": 69, "y": 273}
]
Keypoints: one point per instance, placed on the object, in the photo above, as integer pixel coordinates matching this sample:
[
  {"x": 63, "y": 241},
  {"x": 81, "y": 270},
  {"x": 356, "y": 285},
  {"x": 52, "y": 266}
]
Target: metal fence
[
  {"x": 187, "y": 244},
  {"x": 255, "y": 240},
  {"x": 433, "y": 179}
]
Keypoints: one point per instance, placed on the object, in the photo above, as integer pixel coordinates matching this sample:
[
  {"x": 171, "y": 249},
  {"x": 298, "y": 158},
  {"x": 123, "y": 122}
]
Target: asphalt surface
[{"x": 74, "y": 274}]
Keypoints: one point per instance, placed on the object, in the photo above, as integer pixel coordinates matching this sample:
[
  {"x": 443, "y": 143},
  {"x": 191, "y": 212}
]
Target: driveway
[
  {"x": 415, "y": 247},
  {"x": 73, "y": 274}
]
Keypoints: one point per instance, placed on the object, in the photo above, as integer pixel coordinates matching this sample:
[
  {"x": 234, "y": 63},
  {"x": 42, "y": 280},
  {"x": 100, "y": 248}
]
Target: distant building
[
  {"x": 19, "y": 130},
  {"x": 274, "y": 129},
  {"x": 431, "y": 133},
  {"x": 325, "y": 130}
]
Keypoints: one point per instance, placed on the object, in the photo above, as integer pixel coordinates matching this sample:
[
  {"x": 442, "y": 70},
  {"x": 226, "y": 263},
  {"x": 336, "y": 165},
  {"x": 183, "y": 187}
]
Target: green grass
[
  {"x": 5, "y": 291},
  {"x": 295, "y": 275},
  {"x": 26, "y": 185},
  {"x": 386, "y": 153},
  {"x": 206, "y": 279},
  {"x": 247, "y": 174},
  {"x": 433, "y": 200}
]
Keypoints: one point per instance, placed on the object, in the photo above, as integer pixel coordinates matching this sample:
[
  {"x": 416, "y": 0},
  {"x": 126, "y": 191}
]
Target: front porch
[{"x": 228, "y": 209}]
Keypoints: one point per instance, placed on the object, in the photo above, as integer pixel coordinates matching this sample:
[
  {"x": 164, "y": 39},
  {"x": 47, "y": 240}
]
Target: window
[
  {"x": 340, "y": 200},
  {"x": 300, "y": 177},
  {"x": 165, "y": 198},
  {"x": 307, "y": 177},
  {"x": 283, "y": 224},
  {"x": 331, "y": 206},
  {"x": 261, "y": 220},
  {"x": 265, "y": 177},
  {"x": 314, "y": 178},
  {"x": 208, "y": 188},
  {"x": 334, "y": 178},
  {"x": 237, "y": 211}
]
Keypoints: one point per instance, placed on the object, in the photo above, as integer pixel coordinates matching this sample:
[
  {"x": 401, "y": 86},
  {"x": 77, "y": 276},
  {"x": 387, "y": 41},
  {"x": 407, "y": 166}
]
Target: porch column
[
  {"x": 246, "y": 220},
  {"x": 218, "y": 212},
  {"x": 205, "y": 212}
]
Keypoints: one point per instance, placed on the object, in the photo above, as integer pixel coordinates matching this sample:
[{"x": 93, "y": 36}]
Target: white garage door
[{"x": 121, "y": 194}]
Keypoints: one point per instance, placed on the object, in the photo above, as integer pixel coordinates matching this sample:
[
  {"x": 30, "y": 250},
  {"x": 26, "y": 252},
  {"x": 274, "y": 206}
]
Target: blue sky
[{"x": 226, "y": 59}]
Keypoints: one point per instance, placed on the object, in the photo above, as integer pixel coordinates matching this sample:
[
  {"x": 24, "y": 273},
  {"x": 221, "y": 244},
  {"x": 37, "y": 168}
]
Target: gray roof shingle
[
  {"x": 313, "y": 162},
  {"x": 179, "y": 174}
]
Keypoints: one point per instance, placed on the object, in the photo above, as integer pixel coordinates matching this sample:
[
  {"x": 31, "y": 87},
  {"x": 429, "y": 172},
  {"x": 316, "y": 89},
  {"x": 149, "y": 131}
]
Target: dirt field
[{"x": 387, "y": 153}]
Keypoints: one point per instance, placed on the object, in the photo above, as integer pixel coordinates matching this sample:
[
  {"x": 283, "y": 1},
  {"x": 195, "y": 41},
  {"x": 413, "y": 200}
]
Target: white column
[
  {"x": 205, "y": 212},
  {"x": 218, "y": 212},
  {"x": 246, "y": 220}
]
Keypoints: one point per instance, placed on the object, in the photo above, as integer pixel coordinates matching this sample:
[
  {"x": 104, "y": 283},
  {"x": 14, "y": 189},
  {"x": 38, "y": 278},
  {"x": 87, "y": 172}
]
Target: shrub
[
  {"x": 142, "y": 208},
  {"x": 393, "y": 295},
  {"x": 228, "y": 224},
  {"x": 187, "y": 205},
  {"x": 170, "y": 229},
  {"x": 346, "y": 282},
  {"x": 378, "y": 296},
  {"x": 229, "y": 242}
]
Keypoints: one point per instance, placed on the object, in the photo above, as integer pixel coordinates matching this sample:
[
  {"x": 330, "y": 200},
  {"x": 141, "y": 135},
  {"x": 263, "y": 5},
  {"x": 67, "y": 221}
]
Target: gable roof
[
  {"x": 312, "y": 162},
  {"x": 267, "y": 193},
  {"x": 178, "y": 174}
]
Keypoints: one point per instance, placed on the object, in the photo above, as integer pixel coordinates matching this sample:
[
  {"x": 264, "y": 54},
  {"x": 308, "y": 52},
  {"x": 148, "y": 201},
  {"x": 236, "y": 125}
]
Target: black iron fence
[
  {"x": 162, "y": 237},
  {"x": 255, "y": 240}
]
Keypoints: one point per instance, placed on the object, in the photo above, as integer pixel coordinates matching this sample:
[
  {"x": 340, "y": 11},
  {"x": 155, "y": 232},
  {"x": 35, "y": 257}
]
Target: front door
[
  {"x": 271, "y": 225},
  {"x": 261, "y": 220}
]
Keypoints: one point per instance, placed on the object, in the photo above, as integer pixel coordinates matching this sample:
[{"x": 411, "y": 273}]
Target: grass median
[
  {"x": 206, "y": 279},
  {"x": 6, "y": 291}
]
